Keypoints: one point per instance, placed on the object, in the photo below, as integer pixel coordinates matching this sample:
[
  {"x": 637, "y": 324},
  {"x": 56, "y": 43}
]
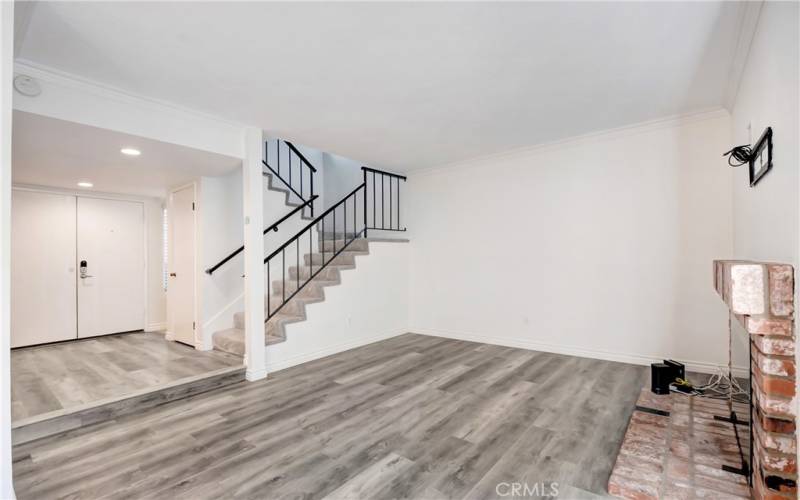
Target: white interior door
[
  {"x": 42, "y": 268},
  {"x": 110, "y": 239},
  {"x": 180, "y": 291}
]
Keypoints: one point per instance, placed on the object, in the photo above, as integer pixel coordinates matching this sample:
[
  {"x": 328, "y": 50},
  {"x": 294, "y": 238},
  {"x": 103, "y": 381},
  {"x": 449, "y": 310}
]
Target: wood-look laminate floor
[
  {"x": 410, "y": 417},
  {"x": 70, "y": 374}
]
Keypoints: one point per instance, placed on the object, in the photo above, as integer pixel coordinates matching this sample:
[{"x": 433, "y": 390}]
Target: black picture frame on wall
[{"x": 761, "y": 159}]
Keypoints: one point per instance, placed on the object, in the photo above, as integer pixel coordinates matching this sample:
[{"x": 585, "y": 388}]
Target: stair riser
[
  {"x": 294, "y": 307},
  {"x": 343, "y": 259},
  {"x": 359, "y": 245},
  {"x": 311, "y": 291},
  {"x": 329, "y": 273}
]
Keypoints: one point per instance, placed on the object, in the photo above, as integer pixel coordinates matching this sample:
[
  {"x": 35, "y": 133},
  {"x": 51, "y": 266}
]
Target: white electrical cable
[{"x": 723, "y": 386}]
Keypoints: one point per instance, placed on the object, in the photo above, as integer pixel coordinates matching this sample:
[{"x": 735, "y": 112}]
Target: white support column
[
  {"x": 254, "y": 348},
  {"x": 6, "y": 72}
]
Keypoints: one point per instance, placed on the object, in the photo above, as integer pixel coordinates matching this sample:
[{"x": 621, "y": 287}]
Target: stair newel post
[{"x": 365, "y": 201}]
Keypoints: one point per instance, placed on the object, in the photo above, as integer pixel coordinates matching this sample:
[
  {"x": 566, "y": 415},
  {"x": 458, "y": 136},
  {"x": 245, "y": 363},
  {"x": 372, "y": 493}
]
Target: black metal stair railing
[
  {"x": 339, "y": 225},
  {"x": 272, "y": 227},
  {"x": 293, "y": 169},
  {"x": 381, "y": 183},
  {"x": 348, "y": 208}
]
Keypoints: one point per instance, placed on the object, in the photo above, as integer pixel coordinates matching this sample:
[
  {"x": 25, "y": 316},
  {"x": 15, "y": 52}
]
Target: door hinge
[
  {"x": 193, "y": 326},
  {"x": 192, "y": 206}
]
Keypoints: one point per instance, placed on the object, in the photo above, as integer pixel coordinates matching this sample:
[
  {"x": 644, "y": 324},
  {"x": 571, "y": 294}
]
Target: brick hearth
[{"x": 675, "y": 448}]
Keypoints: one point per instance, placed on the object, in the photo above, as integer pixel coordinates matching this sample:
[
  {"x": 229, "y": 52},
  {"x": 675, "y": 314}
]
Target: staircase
[
  {"x": 339, "y": 235},
  {"x": 311, "y": 292}
]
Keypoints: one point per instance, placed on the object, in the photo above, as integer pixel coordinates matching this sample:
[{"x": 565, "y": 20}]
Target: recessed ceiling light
[
  {"x": 130, "y": 151},
  {"x": 85, "y": 184}
]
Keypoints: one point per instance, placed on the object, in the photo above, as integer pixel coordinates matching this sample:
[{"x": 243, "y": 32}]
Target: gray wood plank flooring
[
  {"x": 69, "y": 374},
  {"x": 410, "y": 417}
]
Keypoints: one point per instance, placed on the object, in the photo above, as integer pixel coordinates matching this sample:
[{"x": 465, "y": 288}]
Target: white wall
[
  {"x": 6, "y": 69},
  {"x": 156, "y": 295},
  {"x": 220, "y": 231},
  {"x": 767, "y": 217},
  {"x": 600, "y": 246},
  {"x": 370, "y": 304},
  {"x": 342, "y": 176}
]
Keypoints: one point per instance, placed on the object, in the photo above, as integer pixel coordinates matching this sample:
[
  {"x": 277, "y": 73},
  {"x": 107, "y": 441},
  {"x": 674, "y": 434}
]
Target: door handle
[{"x": 174, "y": 275}]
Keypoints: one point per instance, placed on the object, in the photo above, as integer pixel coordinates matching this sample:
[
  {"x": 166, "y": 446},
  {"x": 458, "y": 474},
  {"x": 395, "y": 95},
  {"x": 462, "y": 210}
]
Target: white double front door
[{"x": 77, "y": 267}]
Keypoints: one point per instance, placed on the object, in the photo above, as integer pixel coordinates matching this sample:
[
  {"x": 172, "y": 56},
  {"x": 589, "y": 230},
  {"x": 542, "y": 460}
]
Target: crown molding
[
  {"x": 600, "y": 135},
  {"x": 749, "y": 13},
  {"x": 64, "y": 79}
]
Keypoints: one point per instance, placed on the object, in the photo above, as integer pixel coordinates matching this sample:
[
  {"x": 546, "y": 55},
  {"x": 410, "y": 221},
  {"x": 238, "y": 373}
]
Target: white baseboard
[
  {"x": 273, "y": 366},
  {"x": 156, "y": 327},
  {"x": 636, "y": 359},
  {"x": 253, "y": 375}
]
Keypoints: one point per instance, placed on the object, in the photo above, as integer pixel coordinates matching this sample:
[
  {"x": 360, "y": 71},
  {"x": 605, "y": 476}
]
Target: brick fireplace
[{"x": 761, "y": 298}]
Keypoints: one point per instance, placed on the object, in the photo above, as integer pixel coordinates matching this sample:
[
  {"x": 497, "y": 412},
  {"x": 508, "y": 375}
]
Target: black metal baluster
[
  {"x": 290, "y": 170},
  {"x": 283, "y": 266},
  {"x": 398, "y": 204},
  {"x": 374, "y": 210},
  {"x": 334, "y": 231},
  {"x": 344, "y": 234},
  {"x": 323, "y": 242},
  {"x": 355, "y": 210},
  {"x": 310, "y": 252},
  {"x": 311, "y": 174},
  {"x": 269, "y": 291},
  {"x": 297, "y": 247},
  {"x": 391, "y": 217},
  {"x": 365, "y": 203},
  {"x": 383, "y": 204}
]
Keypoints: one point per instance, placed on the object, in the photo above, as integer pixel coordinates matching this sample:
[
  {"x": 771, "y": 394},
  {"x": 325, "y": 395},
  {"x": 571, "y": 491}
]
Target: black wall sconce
[{"x": 758, "y": 158}]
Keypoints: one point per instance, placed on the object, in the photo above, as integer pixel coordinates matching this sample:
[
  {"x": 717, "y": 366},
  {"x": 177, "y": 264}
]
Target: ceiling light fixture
[
  {"x": 130, "y": 151},
  {"x": 85, "y": 184}
]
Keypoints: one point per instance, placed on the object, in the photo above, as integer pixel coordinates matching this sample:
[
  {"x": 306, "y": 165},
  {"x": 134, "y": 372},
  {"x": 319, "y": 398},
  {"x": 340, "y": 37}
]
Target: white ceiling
[
  {"x": 402, "y": 85},
  {"x": 58, "y": 153}
]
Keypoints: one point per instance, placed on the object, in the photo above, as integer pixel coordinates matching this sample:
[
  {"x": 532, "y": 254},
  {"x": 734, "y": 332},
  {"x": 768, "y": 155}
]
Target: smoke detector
[{"x": 27, "y": 86}]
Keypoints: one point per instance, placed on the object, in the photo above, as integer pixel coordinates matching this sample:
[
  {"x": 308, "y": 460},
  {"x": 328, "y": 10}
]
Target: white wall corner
[
  {"x": 748, "y": 23},
  {"x": 254, "y": 288},
  {"x": 6, "y": 70}
]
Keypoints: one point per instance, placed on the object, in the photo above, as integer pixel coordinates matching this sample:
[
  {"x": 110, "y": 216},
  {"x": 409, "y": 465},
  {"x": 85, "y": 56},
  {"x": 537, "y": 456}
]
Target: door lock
[{"x": 83, "y": 268}]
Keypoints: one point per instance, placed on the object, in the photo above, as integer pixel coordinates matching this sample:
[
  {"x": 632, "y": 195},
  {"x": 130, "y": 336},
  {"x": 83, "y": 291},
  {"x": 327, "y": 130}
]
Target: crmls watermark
[{"x": 522, "y": 490}]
